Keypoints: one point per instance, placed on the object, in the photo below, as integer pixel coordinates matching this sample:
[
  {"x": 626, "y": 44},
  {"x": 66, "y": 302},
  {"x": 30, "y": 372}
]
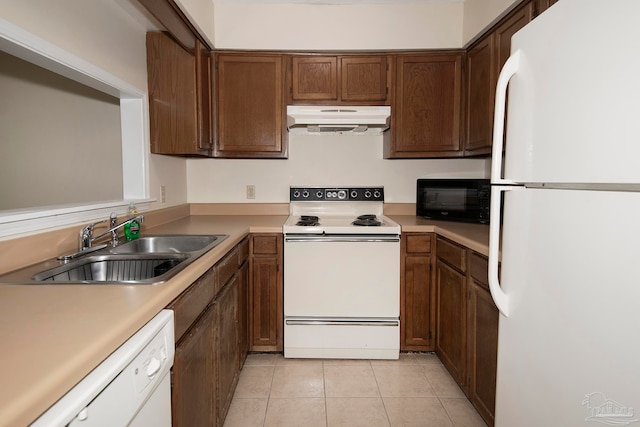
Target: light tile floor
[{"x": 415, "y": 390}]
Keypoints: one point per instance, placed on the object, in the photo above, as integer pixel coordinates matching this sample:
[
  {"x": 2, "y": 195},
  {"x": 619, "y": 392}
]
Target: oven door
[{"x": 342, "y": 296}]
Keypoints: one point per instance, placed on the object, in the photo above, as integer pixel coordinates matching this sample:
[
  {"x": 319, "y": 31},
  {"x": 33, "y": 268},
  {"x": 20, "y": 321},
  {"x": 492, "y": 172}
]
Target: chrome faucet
[{"x": 86, "y": 233}]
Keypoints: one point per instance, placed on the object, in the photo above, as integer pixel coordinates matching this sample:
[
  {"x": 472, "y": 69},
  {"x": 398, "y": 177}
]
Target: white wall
[
  {"x": 111, "y": 35},
  {"x": 478, "y": 14},
  {"x": 398, "y": 25},
  {"x": 330, "y": 160},
  {"x": 319, "y": 160}
]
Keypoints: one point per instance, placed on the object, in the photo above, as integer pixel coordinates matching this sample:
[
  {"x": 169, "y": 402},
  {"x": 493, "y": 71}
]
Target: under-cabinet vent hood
[{"x": 328, "y": 119}]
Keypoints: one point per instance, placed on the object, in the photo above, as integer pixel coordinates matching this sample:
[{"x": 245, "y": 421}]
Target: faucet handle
[{"x": 86, "y": 233}]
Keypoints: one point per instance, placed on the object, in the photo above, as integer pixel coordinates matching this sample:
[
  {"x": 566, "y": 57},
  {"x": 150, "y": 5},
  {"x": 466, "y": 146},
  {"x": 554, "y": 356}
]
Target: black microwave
[{"x": 454, "y": 199}]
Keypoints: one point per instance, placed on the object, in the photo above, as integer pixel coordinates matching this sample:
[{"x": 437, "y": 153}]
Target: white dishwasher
[{"x": 130, "y": 388}]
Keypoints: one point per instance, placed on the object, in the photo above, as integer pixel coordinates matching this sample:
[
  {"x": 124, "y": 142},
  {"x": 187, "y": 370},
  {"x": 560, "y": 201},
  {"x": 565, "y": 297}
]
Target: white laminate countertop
[{"x": 53, "y": 335}]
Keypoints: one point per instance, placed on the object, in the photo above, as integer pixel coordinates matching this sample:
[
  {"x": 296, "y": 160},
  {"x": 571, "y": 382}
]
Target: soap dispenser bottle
[{"x": 132, "y": 228}]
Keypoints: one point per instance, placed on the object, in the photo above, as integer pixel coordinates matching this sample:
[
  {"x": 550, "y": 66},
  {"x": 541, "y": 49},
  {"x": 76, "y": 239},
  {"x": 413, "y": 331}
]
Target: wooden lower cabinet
[
  {"x": 243, "y": 313},
  {"x": 417, "y": 313},
  {"x": 193, "y": 376},
  {"x": 483, "y": 340},
  {"x": 211, "y": 341},
  {"x": 451, "y": 308},
  {"x": 467, "y": 324},
  {"x": 226, "y": 347},
  {"x": 266, "y": 293}
]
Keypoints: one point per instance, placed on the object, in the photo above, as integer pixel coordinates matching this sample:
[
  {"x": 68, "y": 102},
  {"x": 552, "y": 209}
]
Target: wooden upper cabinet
[
  {"x": 480, "y": 94},
  {"x": 250, "y": 106},
  {"x": 485, "y": 59},
  {"x": 426, "y": 110},
  {"x": 505, "y": 31},
  {"x": 357, "y": 79},
  {"x": 314, "y": 78},
  {"x": 179, "y": 97},
  {"x": 539, "y": 6},
  {"x": 364, "y": 78}
]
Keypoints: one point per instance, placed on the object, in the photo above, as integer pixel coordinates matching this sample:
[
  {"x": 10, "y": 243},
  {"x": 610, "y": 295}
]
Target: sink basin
[
  {"x": 113, "y": 268},
  {"x": 167, "y": 244},
  {"x": 148, "y": 260}
]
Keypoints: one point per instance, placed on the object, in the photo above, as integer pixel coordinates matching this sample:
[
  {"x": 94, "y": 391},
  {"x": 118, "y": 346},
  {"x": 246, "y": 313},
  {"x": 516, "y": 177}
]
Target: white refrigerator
[{"x": 569, "y": 243}]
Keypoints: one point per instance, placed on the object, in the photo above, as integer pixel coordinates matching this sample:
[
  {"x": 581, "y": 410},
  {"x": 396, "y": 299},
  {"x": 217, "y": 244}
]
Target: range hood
[{"x": 319, "y": 119}]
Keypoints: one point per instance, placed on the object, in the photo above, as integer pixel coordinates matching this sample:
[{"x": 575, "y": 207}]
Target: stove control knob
[
  {"x": 305, "y": 194},
  {"x": 354, "y": 194},
  {"x": 377, "y": 194},
  {"x": 319, "y": 194},
  {"x": 296, "y": 194},
  {"x": 342, "y": 194},
  {"x": 367, "y": 194}
]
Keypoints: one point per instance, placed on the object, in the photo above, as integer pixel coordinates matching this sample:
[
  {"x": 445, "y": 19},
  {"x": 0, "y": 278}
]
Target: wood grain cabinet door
[
  {"x": 483, "y": 339},
  {"x": 173, "y": 116},
  {"x": 426, "y": 111},
  {"x": 250, "y": 106},
  {"x": 417, "y": 316},
  {"x": 265, "y": 293},
  {"x": 363, "y": 78},
  {"x": 480, "y": 94},
  {"x": 451, "y": 308},
  {"x": 226, "y": 348},
  {"x": 314, "y": 78},
  {"x": 193, "y": 400}
]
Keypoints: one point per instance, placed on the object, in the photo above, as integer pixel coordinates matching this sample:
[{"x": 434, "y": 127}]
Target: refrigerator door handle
[
  {"x": 499, "y": 297},
  {"x": 509, "y": 70}
]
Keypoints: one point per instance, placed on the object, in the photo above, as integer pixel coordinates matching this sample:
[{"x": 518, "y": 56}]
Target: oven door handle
[
  {"x": 328, "y": 239},
  {"x": 343, "y": 322}
]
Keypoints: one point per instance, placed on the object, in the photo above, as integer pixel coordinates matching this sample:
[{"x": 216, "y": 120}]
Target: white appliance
[
  {"x": 569, "y": 290},
  {"x": 341, "y": 275},
  {"x": 322, "y": 119},
  {"x": 131, "y": 387}
]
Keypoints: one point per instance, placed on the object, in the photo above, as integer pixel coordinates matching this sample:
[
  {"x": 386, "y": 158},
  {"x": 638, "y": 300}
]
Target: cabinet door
[
  {"x": 250, "y": 106},
  {"x": 364, "y": 78},
  {"x": 483, "y": 324},
  {"x": 451, "y": 324},
  {"x": 416, "y": 291},
  {"x": 426, "y": 111},
  {"x": 265, "y": 309},
  {"x": 481, "y": 83},
  {"x": 503, "y": 33},
  {"x": 243, "y": 313},
  {"x": 314, "y": 78},
  {"x": 226, "y": 346},
  {"x": 539, "y": 6},
  {"x": 173, "y": 114},
  {"x": 483, "y": 339},
  {"x": 193, "y": 401},
  {"x": 204, "y": 98}
]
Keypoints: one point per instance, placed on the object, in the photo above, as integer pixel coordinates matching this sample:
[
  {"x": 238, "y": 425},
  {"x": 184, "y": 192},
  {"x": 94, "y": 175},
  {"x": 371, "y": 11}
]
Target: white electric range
[{"x": 341, "y": 275}]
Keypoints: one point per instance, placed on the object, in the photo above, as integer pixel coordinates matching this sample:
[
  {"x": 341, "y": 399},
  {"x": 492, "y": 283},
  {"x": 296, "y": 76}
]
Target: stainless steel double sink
[{"x": 148, "y": 260}]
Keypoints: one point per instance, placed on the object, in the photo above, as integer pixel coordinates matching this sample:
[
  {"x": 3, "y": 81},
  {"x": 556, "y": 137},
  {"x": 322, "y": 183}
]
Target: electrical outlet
[
  {"x": 251, "y": 191},
  {"x": 163, "y": 194}
]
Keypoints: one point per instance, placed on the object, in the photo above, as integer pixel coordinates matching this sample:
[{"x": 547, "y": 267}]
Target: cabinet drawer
[
  {"x": 265, "y": 245},
  {"x": 452, "y": 254},
  {"x": 418, "y": 243},
  {"x": 192, "y": 302},
  {"x": 479, "y": 268},
  {"x": 226, "y": 268}
]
